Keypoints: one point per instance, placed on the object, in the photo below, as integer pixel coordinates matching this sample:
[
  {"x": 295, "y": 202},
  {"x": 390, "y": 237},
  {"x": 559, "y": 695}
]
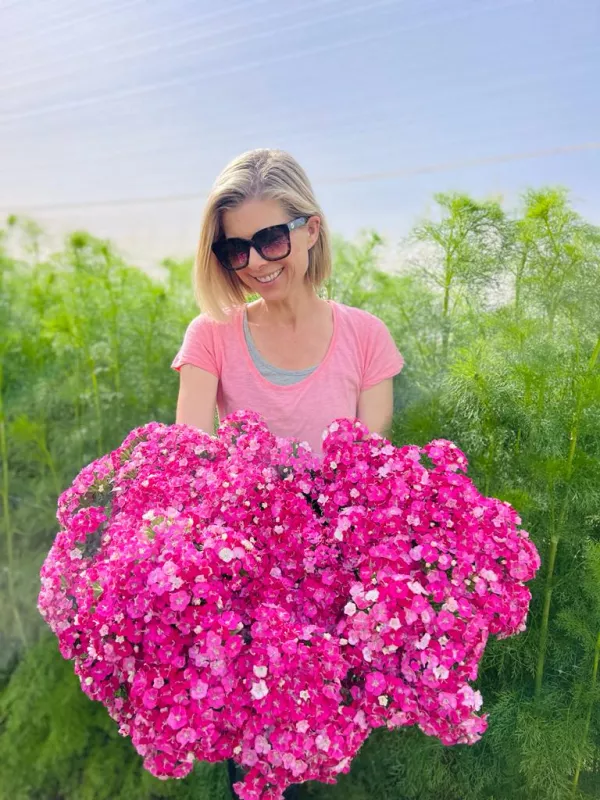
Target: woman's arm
[
  {"x": 376, "y": 407},
  {"x": 197, "y": 398}
]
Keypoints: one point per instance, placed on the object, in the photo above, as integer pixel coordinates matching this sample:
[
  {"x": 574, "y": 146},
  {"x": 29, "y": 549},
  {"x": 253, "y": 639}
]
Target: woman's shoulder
[
  {"x": 205, "y": 324},
  {"x": 362, "y": 321},
  {"x": 368, "y": 336}
]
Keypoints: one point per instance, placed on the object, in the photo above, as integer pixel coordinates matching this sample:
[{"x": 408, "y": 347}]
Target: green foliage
[
  {"x": 498, "y": 317},
  {"x": 55, "y": 742}
]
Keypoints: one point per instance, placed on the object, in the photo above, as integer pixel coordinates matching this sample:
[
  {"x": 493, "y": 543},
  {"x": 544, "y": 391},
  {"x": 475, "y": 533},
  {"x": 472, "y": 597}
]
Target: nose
[{"x": 255, "y": 260}]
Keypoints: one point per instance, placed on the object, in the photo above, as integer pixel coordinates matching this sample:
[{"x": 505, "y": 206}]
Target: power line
[
  {"x": 464, "y": 164},
  {"x": 162, "y": 31},
  {"x": 367, "y": 177},
  {"x": 8, "y": 6},
  {"x": 27, "y": 5},
  {"x": 246, "y": 66},
  {"x": 126, "y": 41},
  {"x": 130, "y": 115},
  {"x": 220, "y": 45},
  {"x": 342, "y": 125},
  {"x": 70, "y": 21}
]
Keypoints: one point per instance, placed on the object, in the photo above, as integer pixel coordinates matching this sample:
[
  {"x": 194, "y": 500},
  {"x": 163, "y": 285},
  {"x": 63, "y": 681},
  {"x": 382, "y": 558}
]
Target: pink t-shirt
[{"x": 361, "y": 354}]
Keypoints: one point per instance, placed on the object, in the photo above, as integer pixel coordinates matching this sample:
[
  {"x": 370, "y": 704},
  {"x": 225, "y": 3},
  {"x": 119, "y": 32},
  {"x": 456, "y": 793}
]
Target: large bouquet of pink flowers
[{"x": 235, "y": 597}]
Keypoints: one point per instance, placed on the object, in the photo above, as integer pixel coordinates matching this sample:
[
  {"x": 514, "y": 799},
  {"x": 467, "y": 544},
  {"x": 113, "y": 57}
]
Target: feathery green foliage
[{"x": 498, "y": 317}]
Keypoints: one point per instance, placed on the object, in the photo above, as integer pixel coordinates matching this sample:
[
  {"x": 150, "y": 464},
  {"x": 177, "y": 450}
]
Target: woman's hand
[{"x": 376, "y": 407}]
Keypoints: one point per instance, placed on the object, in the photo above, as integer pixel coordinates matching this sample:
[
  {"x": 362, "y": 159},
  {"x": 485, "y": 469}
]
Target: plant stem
[
  {"x": 446, "y": 312},
  {"x": 51, "y": 465},
  {"x": 231, "y": 776},
  {"x": 539, "y": 673},
  {"x": 588, "y": 719},
  {"x": 114, "y": 335},
  {"x": 7, "y": 520}
]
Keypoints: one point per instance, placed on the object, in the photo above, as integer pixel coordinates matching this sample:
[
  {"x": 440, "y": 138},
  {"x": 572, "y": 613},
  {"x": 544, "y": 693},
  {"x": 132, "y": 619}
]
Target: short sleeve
[
  {"x": 382, "y": 359},
  {"x": 199, "y": 346}
]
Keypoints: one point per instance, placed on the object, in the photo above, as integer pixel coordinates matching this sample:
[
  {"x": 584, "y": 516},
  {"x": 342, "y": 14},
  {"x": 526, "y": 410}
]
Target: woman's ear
[{"x": 314, "y": 228}]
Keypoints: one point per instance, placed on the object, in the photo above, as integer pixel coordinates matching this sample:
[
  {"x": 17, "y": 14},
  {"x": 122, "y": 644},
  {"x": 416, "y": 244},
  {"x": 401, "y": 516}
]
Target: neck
[{"x": 291, "y": 311}]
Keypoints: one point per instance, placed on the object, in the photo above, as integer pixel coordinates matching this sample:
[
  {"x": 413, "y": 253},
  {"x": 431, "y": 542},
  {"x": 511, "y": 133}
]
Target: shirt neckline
[
  {"x": 262, "y": 363},
  {"x": 318, "y": 369}
]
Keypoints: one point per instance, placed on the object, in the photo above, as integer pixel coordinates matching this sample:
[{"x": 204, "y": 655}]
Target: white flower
[
  {"x": 304, "y": 694},
  {"x": 450, "y": 605},
  {"x": 259, "y": 690},
  {"x": 333, "y": 464},
  {"x": 323, "y": 742},
  {"x": 372, "y": 595},
  {"x": 226, "y": 555},
  {"x": 350, "y": 609},
  {"x": 395, "y": 624},
  {"x": 383, "y": 700},
  {"x": 489, "y": 575},
  {"x": 260, "y": 672},
  {"x": 149, "y": 515}
]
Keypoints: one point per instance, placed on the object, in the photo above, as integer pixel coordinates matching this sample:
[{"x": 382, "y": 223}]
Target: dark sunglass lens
[
  {"x": 274, "y": 242},
  {"x": 234, "y": 253}
]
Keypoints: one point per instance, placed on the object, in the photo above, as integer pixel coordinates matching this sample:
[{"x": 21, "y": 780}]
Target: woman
[{"x": 296, "y": 359}]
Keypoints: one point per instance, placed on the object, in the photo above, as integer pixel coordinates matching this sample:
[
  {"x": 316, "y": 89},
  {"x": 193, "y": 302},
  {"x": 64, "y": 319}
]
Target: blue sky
[{"x": 383, "y": 102}]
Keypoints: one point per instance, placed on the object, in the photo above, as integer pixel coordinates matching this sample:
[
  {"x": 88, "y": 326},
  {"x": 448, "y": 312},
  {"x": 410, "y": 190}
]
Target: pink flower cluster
[{"x": 236, "y": 597}]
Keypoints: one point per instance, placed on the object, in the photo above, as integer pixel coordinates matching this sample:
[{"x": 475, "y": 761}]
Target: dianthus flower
[{"x": 236, "y": 597}]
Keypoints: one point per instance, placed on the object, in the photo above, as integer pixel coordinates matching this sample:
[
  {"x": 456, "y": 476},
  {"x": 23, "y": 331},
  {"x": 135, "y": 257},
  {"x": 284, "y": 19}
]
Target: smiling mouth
[{"x": 271, "y": 277}]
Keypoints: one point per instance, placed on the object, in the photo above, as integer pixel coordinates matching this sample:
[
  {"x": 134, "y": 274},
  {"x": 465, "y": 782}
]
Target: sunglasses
[{"x": 271, "y": 243}]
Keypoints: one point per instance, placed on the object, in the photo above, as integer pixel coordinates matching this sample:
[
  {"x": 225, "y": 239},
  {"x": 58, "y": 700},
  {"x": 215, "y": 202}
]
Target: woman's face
[{"x": 273, "y": 280}]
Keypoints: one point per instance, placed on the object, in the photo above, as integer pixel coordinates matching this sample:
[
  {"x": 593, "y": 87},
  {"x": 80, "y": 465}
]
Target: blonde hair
[{"x": 258, "y": 174}]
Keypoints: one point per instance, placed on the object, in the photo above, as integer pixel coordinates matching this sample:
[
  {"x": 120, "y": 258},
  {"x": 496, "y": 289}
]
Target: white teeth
[{"x": 271, "y": 277}]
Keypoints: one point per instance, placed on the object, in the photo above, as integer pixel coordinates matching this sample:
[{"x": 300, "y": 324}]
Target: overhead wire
[
  {"x": 376, "y": 120},
  {"x": 71, "y": 21},
  {"x": 463, "y": 163},
  {"x": 157, "y": 31},
  {"x": 128, "y": 117},
  {"x": 220, "y": 45},
  {"x": 404, "y": 172},
  {"x": 234, "y": 69}
]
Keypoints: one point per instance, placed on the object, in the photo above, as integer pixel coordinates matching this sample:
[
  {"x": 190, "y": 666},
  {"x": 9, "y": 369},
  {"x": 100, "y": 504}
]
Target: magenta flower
[{"x": 236, "y": 597}]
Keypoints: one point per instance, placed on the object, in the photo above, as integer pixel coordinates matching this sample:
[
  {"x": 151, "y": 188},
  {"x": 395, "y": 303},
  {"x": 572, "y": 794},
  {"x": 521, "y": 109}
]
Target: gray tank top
[{"x": 281, "y": 377}]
